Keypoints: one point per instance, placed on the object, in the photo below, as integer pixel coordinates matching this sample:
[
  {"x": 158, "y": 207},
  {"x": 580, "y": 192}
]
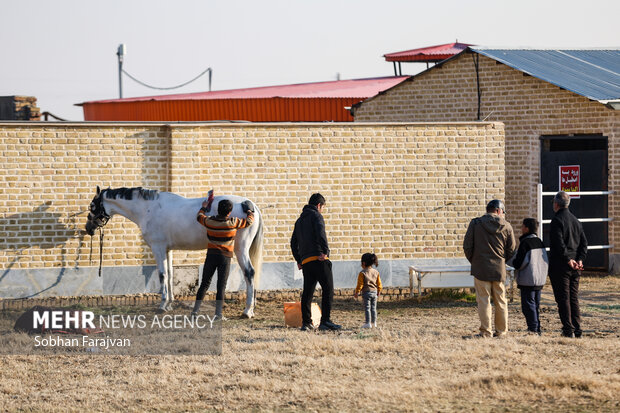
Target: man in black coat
[
  {"x": 568, "y": 251},
  {"x": 311, "y": 252}
]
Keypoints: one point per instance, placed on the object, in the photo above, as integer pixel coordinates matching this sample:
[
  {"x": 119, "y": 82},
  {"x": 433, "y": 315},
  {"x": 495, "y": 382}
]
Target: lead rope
[{"x": 100, "y": 249}]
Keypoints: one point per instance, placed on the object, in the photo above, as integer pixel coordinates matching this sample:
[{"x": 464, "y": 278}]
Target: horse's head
[{"x": 97, "y": 216}]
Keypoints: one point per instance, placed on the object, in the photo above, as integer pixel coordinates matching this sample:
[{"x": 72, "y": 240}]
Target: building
[
  {"x": 561, "y": 114},
  {"x": 306, "y": 102},
  {"x": 19, "y": 108}
]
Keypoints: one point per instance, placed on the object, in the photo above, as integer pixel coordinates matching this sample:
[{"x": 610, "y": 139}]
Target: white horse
[{"x": 168, "y": 222}]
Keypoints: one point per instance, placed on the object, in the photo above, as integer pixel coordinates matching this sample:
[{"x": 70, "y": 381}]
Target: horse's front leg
[
  {"x": 243, "y": 258},
  {"x": 160, "y": 256}
]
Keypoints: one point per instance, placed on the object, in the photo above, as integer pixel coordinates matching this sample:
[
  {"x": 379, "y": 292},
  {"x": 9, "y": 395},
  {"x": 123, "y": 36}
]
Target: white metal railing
[{"x": 539, "y": 211}]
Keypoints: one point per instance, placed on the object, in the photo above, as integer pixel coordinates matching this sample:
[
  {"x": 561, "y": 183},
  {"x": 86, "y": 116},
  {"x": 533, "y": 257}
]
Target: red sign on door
[{"x": 570, "y": 176}]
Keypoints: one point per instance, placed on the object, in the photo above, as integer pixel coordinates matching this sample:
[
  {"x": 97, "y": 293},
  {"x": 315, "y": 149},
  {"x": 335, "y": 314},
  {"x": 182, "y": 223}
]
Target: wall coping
[{"x": 237, "y": 124}]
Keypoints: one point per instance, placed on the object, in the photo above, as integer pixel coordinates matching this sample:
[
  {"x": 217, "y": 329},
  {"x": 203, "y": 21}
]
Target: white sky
[{"x": 64, "y": 51}]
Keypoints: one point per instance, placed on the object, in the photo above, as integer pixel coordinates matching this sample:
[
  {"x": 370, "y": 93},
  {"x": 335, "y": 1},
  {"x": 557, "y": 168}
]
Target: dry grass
[{"x": 416, "y": 361}]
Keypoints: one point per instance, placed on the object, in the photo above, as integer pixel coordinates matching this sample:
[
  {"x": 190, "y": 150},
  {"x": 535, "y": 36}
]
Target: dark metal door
[{"x": 590, "y": 154}]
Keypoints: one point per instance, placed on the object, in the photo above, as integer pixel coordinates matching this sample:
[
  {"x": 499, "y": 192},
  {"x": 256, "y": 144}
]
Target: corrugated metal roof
[
  {"x": 427, "y": 54},
  {"x": 307, "y": 102},
  {"x": 353, "y": 88},
  {"x": 254, "y": 110},
  {"x": 593, "y": 73}
]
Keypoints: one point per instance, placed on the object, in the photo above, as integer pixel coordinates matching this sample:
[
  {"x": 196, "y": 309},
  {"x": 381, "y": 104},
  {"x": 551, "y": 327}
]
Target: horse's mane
[{"x": 127, "y": 193}]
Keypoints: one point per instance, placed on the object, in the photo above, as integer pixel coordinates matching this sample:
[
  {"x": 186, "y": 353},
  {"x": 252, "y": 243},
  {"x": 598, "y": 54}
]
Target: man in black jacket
[
  {"x": 311, "y": 252},
  {"x": 568, "y": 250}
]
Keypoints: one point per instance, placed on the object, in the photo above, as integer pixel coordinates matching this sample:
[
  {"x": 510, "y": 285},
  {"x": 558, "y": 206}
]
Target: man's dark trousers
[
  {"x": 530, "y": 305},
  {"x": 565, "y": 289},
  {"x": 321, "y": 272}
]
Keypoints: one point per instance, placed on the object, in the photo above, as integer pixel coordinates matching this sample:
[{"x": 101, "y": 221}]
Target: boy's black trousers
[{"x": 213, "y": 262}]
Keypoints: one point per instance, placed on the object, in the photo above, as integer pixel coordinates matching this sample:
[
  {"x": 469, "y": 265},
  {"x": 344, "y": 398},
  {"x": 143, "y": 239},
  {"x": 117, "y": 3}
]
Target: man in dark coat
[
  {"x": 311, "y": 252},
  {"x": 488, "y": 244},
  {"x": 568, "y": 250}
]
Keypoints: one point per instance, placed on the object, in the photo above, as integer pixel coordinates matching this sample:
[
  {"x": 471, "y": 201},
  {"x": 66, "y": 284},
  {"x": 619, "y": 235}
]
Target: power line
[{"x": 172, "y": 87}]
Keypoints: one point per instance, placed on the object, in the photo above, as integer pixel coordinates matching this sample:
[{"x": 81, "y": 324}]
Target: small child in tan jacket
[{"x": 369, "y": 283}]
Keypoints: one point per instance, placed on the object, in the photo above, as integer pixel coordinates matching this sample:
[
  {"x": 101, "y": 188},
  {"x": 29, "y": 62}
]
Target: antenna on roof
[{"x": 120, "y": 52}]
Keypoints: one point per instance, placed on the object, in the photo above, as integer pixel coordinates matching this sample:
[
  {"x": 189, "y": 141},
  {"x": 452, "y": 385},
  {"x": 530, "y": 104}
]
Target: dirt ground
[{"x": 417, "y": 360}]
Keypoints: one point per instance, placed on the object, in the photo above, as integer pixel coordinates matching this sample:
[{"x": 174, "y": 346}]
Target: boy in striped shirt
[{"x": 221, "y": 231}]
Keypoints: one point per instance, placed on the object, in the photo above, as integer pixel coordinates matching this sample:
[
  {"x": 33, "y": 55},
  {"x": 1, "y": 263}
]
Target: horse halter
[{"x": 97, "y": 216}]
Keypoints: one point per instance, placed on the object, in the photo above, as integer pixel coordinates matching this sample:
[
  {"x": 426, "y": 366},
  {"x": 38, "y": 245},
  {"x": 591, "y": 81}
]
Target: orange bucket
[{"x": 292, "y": 314}]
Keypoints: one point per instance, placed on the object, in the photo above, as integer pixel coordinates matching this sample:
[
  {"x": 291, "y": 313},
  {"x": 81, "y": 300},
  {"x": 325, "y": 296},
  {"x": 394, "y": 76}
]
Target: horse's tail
[{"x": 256, "y": 249}]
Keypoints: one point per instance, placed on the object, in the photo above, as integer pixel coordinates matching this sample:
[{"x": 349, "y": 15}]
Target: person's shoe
[
  {"x": 328, "y": 325},
  {"x": 366, "y": 325},
  {"x": 307, "y": 327}
]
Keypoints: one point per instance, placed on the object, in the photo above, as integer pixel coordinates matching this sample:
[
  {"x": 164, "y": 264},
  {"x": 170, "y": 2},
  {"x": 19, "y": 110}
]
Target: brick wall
[
  {"x": 402, "y": 190},
  {"x": 529, "y": 108},
  {"x": 48, "y": 177},
  {"x": 386, "y": 187}
]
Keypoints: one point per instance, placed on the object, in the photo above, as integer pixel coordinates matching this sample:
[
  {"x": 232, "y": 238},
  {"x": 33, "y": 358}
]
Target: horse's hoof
[
  {"x": 169, "y": 307},
  {"x": 248, "y": 314},
  {"x": 161, "y": 310}
]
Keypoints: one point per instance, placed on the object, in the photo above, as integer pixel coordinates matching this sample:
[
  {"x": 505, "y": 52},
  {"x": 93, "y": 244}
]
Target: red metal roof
[
  {"x": 353, "y": 88},
  {"x": 427, "y": 54},
  {"x": 307, "y": 102}
]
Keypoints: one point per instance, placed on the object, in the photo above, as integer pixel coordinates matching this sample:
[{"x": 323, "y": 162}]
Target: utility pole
[{"x": 120, "y": 52}]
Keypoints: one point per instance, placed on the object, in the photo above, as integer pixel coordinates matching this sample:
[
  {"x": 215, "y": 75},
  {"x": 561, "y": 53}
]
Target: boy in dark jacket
[
  {"x": 311, "y": 252},
  {"x": 531, "y": 265}
]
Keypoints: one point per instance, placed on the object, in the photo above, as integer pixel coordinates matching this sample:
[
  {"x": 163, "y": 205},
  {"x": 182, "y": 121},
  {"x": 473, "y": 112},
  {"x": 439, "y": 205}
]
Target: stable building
[
  {"x": 305, "y": 102},
  {"x": 561, "y": 110}
]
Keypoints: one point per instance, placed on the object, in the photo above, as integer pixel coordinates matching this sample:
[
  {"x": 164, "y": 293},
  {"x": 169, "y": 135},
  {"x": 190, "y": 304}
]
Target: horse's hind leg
[
  {"x": 170, "y": 281},
  {"x": 250, "y": 291},
  {"x": 243, "y": 258}
]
